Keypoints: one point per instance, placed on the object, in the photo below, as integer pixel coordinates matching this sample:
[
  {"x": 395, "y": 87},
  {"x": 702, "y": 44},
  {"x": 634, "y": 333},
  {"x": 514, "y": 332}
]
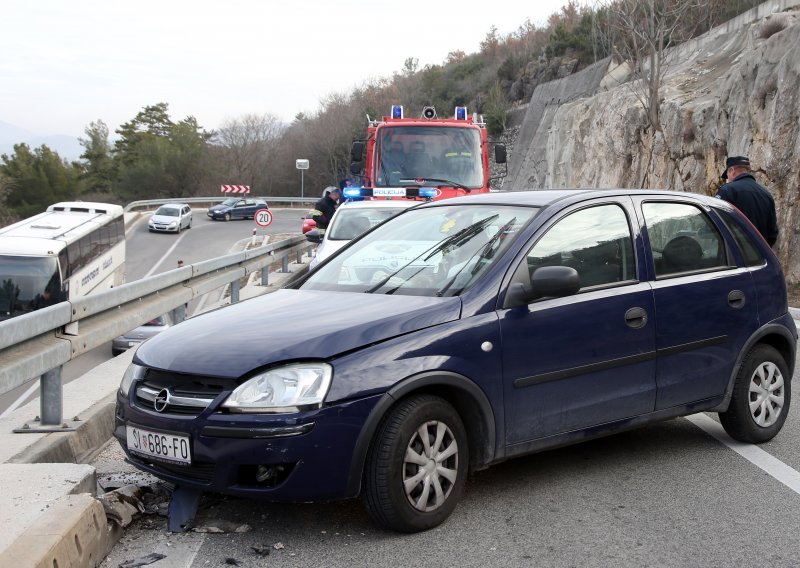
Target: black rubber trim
[
  {"x": 583, "y": 369},
  {"x": 523, "y": 382},
  {"x": 693, "y": 345},
  {"x": 256, "y": 433}
]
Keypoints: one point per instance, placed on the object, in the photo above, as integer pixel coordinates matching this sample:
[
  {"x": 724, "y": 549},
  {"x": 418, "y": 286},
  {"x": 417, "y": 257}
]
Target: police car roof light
[
  {"x": 429, "y": 192},
  {"x": 461, "y": 113},
  {"x": 350, "y": 192},
  {"x": 397, "y": 111}
]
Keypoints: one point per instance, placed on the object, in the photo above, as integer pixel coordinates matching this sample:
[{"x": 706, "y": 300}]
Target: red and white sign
[
  {"x": 235, "y": 189},
  {"x": 263, "y": 218}
]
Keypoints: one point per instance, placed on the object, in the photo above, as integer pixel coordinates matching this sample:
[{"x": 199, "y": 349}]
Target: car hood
[
  {"x": 219, "y": 207},
  {"x": 326, "y": 249},
  {"x": 289, "y": 325},
  {"x": 164, "y": 219}
]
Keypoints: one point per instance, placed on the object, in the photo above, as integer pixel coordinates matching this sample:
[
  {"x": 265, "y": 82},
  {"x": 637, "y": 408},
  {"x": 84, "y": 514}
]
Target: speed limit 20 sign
[{"x": 263, "y": 217}]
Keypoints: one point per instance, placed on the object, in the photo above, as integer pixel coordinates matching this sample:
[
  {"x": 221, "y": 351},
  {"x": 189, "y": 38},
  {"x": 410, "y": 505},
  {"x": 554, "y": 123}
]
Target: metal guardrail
[
  {"x": 148, "y": 204},
  {"x": 37, "y": 344}
]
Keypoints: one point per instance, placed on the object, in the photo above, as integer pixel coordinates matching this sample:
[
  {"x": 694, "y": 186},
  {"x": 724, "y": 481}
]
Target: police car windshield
[{"x": 434, "y": 251}]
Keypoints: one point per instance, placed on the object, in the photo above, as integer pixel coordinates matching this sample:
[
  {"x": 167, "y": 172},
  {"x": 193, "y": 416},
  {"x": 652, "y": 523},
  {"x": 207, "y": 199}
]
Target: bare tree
[
  {"x": 248, "y": 144},
  {"x": 641, "y": 32}
]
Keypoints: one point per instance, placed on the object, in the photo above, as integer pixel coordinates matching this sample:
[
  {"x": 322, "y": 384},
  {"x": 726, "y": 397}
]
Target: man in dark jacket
[
  {"x": 325, "y": 207},
  {"x": 749, "y": 197}
]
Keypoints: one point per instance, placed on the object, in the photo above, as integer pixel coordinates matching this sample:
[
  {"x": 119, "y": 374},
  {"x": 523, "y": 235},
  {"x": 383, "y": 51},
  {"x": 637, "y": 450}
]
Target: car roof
[
  {"x": 171, "y": 205},
  {"x": 545, "y": 197}
]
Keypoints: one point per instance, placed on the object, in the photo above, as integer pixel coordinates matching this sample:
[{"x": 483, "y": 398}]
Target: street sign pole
[{"x": 301, "y": 165}]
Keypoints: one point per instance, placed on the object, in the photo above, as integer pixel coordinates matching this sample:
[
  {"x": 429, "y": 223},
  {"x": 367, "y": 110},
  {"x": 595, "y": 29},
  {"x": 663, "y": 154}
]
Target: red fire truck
[{"x": 427, "y": 157}]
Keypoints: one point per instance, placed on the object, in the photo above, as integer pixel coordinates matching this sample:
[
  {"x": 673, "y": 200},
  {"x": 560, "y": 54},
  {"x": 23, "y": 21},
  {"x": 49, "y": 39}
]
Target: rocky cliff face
[{"x": 734, "y": 91}]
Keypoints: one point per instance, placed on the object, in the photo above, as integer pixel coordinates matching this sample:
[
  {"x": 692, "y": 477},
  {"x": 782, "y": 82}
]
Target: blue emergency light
[
  {"x": 397, "y": 111},
  {"x": 352, "y": 192},
  {"x": 429, "y": 192},
  {"x": 461, "y": 113}
]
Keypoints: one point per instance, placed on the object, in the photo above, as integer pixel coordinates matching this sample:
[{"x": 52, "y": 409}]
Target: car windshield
[
  {"x": 354, "y": 222},
  {"x": 430, "y": 251},
  {"x": 440, "y": 155},
  {"x": 230, "y": 202},
  {"x": 27, "y": 284},
  {"x": 168, "y": 211}
]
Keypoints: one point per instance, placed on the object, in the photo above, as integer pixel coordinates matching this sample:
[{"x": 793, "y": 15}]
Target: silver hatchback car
[
  {"x": 141, "y": 333},
  {"x": 171, "y": 218}
]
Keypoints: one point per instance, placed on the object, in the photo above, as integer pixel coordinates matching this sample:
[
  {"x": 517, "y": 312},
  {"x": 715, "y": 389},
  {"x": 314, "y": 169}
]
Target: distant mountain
[{"x": 65, "y": 146}]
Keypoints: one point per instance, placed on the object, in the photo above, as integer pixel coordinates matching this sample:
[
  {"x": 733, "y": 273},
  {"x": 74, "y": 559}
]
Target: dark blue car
[
  {"x": 464, "y": 332},
  {"x": 236, "y": 208}
]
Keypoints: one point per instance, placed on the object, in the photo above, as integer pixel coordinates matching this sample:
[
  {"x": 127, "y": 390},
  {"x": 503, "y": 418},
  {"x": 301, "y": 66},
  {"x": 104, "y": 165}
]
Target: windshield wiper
[
  {"x": 423, "y": 181},
  {"x": 484, "y": 253},
  {"x": 458, "y": 238}
]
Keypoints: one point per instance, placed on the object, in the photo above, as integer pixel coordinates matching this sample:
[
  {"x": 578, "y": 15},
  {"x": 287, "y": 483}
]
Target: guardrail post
[
  {"x": 285, "y": 264},
  {"x": 265, "y": 275},
  {"x": 235, "y": 291},
  {"x": 299, "y": 256},
  {"x": 50, "y": 403}
]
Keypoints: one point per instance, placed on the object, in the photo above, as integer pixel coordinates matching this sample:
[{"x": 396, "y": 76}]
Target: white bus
[{"x": 70, "y": 250}]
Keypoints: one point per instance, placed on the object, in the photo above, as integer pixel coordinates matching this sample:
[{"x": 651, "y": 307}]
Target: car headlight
[
  {"x": 132, "y": 373},
  {"x": 174, "y": 223},
  {"x": 300, "y": 386}
]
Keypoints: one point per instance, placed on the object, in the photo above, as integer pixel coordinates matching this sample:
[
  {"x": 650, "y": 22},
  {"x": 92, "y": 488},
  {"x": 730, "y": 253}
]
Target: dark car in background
[
  {"x": 236, "y": 208},
  {"x": 139, "y": 334},
  {"x": 464, "y": 332}
]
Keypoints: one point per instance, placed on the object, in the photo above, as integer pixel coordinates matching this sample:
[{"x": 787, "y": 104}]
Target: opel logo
[{"x": 162, "y": 400}]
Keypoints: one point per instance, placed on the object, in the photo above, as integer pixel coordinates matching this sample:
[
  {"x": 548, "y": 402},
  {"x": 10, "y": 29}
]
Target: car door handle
[
  {"x": 736, "y": 299},
  {"x": 636, "y": 318}
]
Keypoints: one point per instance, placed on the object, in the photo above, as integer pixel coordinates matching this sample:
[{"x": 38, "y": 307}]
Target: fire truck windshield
[{"x": 442, "y": 153}]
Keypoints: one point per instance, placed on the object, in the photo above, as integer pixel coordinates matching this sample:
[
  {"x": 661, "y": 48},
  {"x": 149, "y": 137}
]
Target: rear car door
[
  {"x": 707, "y": 306},
  {"x": 586, "y": 359}
]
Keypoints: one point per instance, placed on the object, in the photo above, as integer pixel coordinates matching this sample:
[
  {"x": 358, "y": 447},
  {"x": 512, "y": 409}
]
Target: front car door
[
  {"x": 586, "y": 359},
  {"x": 706, "y": 304}
]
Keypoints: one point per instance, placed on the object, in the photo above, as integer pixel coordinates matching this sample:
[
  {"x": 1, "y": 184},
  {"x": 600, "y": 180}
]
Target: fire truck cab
[{"x": 427, "y": 157}]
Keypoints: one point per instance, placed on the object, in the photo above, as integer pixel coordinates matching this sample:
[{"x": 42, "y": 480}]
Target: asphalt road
[
  {"x": 666, "y": 495},
  {"x": 152, "y": 253}
]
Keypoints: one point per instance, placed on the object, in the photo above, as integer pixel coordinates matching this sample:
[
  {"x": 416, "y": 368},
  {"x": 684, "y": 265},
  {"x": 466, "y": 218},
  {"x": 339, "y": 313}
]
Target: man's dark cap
[{"x": 735, "y": 161}]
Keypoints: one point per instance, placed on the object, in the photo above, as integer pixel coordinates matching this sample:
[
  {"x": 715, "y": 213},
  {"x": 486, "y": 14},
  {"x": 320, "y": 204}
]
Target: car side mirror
[
  {"x": 500, "y": 154},
  {"x": 545, "y": 282},
  {"x": 313, "y": 236},
  {"x": 356, "y": 152}
]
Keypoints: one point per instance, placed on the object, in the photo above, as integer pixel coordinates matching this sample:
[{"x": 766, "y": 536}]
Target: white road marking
[
  {"x": 752, "y": 453},
  {"x": 17, "y": 403},
  {"x": 165, "y": 255}
]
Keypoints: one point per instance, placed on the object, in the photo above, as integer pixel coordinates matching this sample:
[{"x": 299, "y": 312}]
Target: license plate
[
  {"x": 169, "y": 447},
  {"x": 389, "y": 192}
]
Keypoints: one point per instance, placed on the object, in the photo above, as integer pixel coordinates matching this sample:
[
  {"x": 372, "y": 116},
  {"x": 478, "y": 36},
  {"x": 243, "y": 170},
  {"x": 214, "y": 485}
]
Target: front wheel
[
  {"x": 761, "y": 396},
  {"x": 227, "y": 216},
  {"x": 416, "y": 466}
]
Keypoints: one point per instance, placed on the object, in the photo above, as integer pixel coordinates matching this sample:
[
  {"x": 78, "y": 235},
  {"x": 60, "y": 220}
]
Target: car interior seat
[{"x": 681, "y": 254}]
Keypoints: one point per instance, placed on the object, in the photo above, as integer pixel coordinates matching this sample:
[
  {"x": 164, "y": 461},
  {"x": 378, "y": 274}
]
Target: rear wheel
[
  {"x": 761, "y": 396},
  {"x": 416, "y": 466}
]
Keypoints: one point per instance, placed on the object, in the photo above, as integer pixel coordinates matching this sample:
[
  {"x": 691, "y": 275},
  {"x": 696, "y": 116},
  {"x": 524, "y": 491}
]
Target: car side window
[
  {"x": 596, "y": 242},
  {"x": 752, "y": 256},
  {"x": 683, "y": 239}
]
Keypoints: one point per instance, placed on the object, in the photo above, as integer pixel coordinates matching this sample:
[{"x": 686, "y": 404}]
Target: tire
[
  {"x": 189, "y": 226},
  {"x": 761, "y": 396},
  {"x": 227, "y": 216},
  {"x": 178, "y": 230},
  {"x": 427, "y": 502}
]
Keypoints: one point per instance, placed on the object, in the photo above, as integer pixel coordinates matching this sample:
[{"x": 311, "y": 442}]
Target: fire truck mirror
[
  {"x": 356, "y": 152},
  {"x": 500, "y": 153}
]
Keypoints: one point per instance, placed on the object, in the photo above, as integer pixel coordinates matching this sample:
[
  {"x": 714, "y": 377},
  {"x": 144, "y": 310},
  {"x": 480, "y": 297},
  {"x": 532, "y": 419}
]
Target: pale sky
[{"x": 65, "y": 63}]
